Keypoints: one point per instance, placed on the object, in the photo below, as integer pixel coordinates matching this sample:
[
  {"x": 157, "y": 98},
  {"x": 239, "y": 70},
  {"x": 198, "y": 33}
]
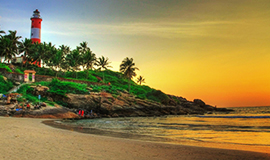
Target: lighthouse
[
  {"x": 36, "y": 27},
  {"x": 36, "y": 30}
]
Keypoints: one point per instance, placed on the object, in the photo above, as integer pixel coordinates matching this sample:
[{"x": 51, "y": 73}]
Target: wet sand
[{"x": 26, "y": 138}]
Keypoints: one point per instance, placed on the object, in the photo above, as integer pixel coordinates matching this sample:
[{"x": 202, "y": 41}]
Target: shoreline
[
  {"x": 28, "y": 138},
  {"x": 148, "y": 138}
]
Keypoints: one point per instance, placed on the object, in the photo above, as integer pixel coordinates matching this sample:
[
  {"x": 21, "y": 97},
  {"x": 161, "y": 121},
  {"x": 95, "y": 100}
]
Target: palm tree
[
  {"x": 103, "y": 63},
  {"x": 1, "y": 37},
  {"x": 1, "y": 32},
  {"x": 127, "y": 67},
  {"x": 7, "y": 49},
  {"x": 89, "y": 60},
  {"x": 73, "y": 59},
  {"x": 9, "y": 45},
  {"x": 65, "y": 49},
  {"x": 26, "y": 47},
  {"x": 14, "y": 38},
  {"x": 40, "y": 52},
  {"x": 83, "y": 47},
  {"x": 57, "y": 60},
  {"x": 140, "y": 80}
]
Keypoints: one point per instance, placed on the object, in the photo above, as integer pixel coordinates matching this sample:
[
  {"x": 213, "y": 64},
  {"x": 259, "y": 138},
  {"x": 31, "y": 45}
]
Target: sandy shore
[{"x": 26, "y": 138}]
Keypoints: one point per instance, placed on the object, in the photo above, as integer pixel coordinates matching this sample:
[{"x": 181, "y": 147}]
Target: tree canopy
[{"x": 127, "y": 67}]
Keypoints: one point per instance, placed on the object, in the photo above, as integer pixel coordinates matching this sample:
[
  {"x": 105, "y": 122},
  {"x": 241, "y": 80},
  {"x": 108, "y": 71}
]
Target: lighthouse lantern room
[{"x": 36, "y": 27}]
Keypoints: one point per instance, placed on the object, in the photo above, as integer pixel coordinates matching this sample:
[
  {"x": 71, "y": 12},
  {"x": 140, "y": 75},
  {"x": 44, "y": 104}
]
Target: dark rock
[
  {"x": 126, "y": 105},
  {"x": 199, "y": 102}
]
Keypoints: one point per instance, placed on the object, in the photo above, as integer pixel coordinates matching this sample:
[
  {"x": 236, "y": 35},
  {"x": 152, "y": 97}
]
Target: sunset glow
[{"x": 214, "y": 50}]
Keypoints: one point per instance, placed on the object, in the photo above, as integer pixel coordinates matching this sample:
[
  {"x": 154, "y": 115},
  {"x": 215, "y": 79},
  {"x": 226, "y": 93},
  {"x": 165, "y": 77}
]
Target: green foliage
[
  {"x": 5, "y": 85},
  {"x": 30, "y": 97},
  {"x": 25, "y": 91},
  {"x": 24, "y": 88},
  {"x": 50, "y": 103},
  {"x": 159, "y": 96},
  {"x": 62, "y": 87},
  {"x": 64, "y": 62},
  {"x": 61, "y": 103},
  {"x": 2, "y": 65},
  {"x": 117, "y": 80},
  {"x": 176, "y": 100},
  {"x": 17, "y": 70}
]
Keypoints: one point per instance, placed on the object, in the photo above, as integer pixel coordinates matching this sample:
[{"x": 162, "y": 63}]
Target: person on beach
[
  {"x": 79, "y": 113},
  {"x": 28, "y": 106},
  {"x": 82, "y": 113}
]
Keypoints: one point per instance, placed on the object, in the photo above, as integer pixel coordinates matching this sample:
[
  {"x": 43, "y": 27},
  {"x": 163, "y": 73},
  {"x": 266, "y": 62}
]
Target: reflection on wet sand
[{"x": 232, "y": 131}]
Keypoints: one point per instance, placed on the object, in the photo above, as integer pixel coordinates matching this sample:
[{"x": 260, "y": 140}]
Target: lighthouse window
[
  {"x": 32, "y": 26},
  {"x": 39, "y": 22}
]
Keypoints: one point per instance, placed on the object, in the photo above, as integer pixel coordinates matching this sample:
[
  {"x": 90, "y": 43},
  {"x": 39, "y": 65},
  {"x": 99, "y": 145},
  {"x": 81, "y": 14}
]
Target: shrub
[
  {"x": 5, "y": 86},
  {"x": 63, "y": 87},
  {"x": 2, "y": 65},
  {"x": 159, "y": 96},
  {"x": 17, "y": 70}
]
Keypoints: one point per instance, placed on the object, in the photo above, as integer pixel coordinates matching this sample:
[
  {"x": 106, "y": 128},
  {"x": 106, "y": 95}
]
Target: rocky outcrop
[{"x": 125, "y": 105}]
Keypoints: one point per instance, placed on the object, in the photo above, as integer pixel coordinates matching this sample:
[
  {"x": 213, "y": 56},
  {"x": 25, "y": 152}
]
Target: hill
[{"x": 105, "y": 100}]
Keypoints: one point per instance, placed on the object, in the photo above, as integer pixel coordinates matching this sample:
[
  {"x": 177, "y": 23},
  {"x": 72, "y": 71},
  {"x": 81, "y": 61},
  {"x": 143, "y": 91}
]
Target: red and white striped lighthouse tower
[{"x": 36, "y": 27}]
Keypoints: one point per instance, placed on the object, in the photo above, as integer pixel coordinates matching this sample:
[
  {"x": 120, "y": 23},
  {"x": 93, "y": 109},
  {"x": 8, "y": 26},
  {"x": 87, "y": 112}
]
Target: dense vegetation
[
  {"x": 80, "y": 63},
  {"x": 5, "y": 85},
  {"x": 118, "y": 84}
]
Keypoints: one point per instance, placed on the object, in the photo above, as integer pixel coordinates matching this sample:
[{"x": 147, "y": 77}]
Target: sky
[{"x": 214, "y": 50}]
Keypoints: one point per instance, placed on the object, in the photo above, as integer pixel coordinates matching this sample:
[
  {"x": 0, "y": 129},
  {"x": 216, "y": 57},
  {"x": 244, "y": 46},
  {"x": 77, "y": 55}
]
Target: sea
[{"x": 246, "y": 128}]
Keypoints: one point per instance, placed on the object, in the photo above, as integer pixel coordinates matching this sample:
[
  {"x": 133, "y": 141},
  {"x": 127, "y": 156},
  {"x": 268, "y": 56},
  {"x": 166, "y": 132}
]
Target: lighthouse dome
[{"x": 36, "y": 14}]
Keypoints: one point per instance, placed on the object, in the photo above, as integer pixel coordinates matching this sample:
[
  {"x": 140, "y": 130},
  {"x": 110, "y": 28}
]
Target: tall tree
[
  {"x": 38, "y": 52},
  {"x": 103, "y": 64},
  {"x": 83, "y": 47},
  {"x": 58, "y": 60},
  {"x": 6, "y": 48},
  {"x": 1, "y": 32},
  {"x": 140, "y": 80},
  {"x": 127, "y": 67},
  {"x": 9, "y": 45},
  {"x": 26, "y": 47},
  {"x": 89, "y": 60},
  {"x": 64, "y": 49},
  {"x": 74, "y": 60},
  {"x": 1, "y": 38}
]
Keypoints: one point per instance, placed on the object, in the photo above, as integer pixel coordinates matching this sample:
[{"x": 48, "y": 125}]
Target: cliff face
[
  {"x": 126, "y": 105},
  {"x": 106, "y": 105}
]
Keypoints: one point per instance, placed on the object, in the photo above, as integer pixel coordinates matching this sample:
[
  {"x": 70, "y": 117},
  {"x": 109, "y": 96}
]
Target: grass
[
  {"x": 116, "y": 79},
  {"x": 2, "y": 65}
]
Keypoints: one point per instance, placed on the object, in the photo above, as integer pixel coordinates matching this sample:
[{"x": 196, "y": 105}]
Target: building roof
[{"x": 29, "y": 71}]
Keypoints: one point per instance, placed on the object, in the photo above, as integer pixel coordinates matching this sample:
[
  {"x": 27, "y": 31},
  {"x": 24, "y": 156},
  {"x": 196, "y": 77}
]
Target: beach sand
[{"x": 28, "y": 138}]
